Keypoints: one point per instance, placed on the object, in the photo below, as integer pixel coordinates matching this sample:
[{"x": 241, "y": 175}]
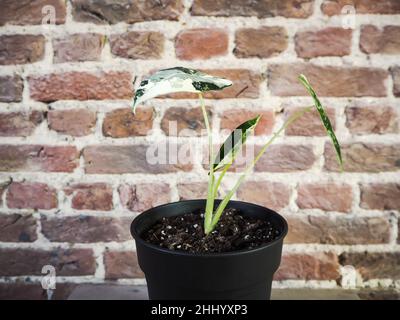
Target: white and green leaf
[
  {"x": 324, "y": 117},
  {"x": 178, "y": 79},
  {"x": 234, "y": 142}
]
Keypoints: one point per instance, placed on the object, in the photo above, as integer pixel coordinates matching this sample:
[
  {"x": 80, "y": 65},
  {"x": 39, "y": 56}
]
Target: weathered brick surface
[
  {"x": 334, "y": 7},
  {"x": 144, "y": 196},
  {"x": 26, "y": 12},
  {"x": 373, "y": 265},
  {"x": 264, "y": 42},
  {"x": 325, "y": 196},
  {"x": 372, "y": 120},
  {"x": 201, "y": 43},
  {"x": 138, "y": 45},
  {"x": 231, "y": 119},
  {"x": 380, "y": 196},
  {"x": 270, "y": 194},
  {"x": 285, "y": 158},
  {"x": 19, "y": 124},
  {"x": 32, "y": 195},
  {"x": 96, "y": 196},
  {"x": 37, "y": 158},
  {"x": 315, "y": 266},
  {"x": 21, "y": 49},
  {"x": 184, "y": 122},
  {"x": 130, "y": 159},
  {"x": 74, "y": 122},
  {"x": 11, "y": 88},
  {"x": 326, "y": 42},
  {"x": 76, "y": 165},
  {"x": 364, "y": 157},
  {"x": 17, "y": 228},
  {"x": 338, "y": 230},
  {"x": 310, "y": 123},
  {"x": 67, "y": 262},
  {"x": 78, "y": 47},
  {"x": 85, "y": 229},
  {"x": 81, "y": 86},
  {"x": 121, "y": 264},
  {"x": 260, "y": 9},
  {"x": 327, "y": 81},
  {"x": 103, "y": 11},
  {"x": 122, "y": 123}
]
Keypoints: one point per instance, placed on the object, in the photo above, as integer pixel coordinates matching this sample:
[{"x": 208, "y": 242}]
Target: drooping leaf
[
  {"x": 177, "y": 79},
  {"x": 233, "y": 143},
  {"x": 324, "y": 117}
]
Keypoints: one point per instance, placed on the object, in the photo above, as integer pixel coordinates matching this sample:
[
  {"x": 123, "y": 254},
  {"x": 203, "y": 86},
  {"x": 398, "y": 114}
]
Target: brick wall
[{"x": 72, "y": 171}]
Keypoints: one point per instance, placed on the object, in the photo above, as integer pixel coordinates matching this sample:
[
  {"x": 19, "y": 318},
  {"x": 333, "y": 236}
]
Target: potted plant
[{"x": 212, "y": 249}]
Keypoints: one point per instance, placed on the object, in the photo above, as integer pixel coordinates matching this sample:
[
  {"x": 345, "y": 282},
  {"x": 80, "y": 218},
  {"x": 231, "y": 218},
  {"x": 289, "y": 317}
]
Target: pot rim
[{"x": 138, "y": 238}]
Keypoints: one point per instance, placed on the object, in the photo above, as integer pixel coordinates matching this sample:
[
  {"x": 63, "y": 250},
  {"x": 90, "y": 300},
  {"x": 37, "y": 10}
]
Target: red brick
[
  {"x": 74, "y": 122},
  {"x": 395, "y": 71},
  {"x": 334, "y": 7},
  {"x": 36, "y": 158},
  {"x": 78, "y": 47},
  {"x": 201, "y": 43},
  {"x": 231, "y": 119},
  {"x": 138, "y": 45},
  {"x": 373, "y": 265},
  {"x": 371, "y": 120},
  {"x": 3, "y": 187},
  {"x": 26, "y": 12},
  {"x": 310, "y": 123},
  {"x": 325, "y": 42},
  {"x": 33, "y": 195},
  {"x": 17, "y": 228},
  {"x": 338, "y": 230},
  {"x": 81, "y": 86},
  {"x": 260, "y": 9},
  {"x": 184, "y": 122},
  {"x": 383, "y": 41},
  {"x": 364, "y": 157},
  {"x": 325, "y": 196},
  {"x": 380, "y": 196},
  {"x": 192, "y": 190},
  {"x": 122, "y": 123},
  {"x": 121, "y": 264},
  {"x": 286, "y": 158},
  {"x": 19, "y": 124},
  {"x": 272, "y": 195},
  {"x": 264, "y": 42},
  {"x": 141, "y": 197},
  {"x": 246, "y": 84},
  {"x": 104, "y": 11},
  {"x": 327, "y": 81},
  {"x": 67, "y": 262},
  {"x": 303, "y": 266},
  {"x": 11, "y": 88},
  {"x": 117, "y": 159},
  {"x": 95, "y": 196},
  {"x": 86, "y": 229},
  {"x": 21, "y": 49}
]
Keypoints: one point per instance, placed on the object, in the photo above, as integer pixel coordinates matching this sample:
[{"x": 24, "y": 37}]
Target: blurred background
[{"x": 72, "y": 154}]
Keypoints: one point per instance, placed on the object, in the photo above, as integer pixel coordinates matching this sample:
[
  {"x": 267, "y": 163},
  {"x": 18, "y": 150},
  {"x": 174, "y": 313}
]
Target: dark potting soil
[{"x": 233, "y": 232}]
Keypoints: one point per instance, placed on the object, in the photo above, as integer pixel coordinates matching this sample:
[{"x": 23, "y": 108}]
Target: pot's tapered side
[{"x": 244, "y": 274}]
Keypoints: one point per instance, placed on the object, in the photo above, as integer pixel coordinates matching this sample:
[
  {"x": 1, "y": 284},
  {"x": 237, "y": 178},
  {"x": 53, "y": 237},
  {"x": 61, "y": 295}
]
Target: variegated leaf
[{"x": 177, "y": 79}]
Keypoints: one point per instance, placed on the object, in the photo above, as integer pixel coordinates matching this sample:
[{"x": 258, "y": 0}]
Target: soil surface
[{"x": 233, "y": 232}]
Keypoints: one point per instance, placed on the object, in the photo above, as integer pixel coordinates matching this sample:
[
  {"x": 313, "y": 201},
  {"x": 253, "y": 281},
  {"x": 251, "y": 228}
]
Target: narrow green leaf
[
  {"x": 324, "y": 117},
  {"x": 233, "y": 143},
  {"x": 178, "y": 79}
]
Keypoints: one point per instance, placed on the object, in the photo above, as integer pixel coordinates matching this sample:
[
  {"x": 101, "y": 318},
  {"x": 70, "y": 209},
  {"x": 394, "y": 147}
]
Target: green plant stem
[
  {"x": 221, "y": 175},
  {"x": 210, "y": 190},
  {"x": 226, "y": 199}
]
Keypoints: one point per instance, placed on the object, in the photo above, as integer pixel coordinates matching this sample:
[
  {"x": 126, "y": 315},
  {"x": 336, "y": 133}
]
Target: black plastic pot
[{"x": 176, "y": 275}]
